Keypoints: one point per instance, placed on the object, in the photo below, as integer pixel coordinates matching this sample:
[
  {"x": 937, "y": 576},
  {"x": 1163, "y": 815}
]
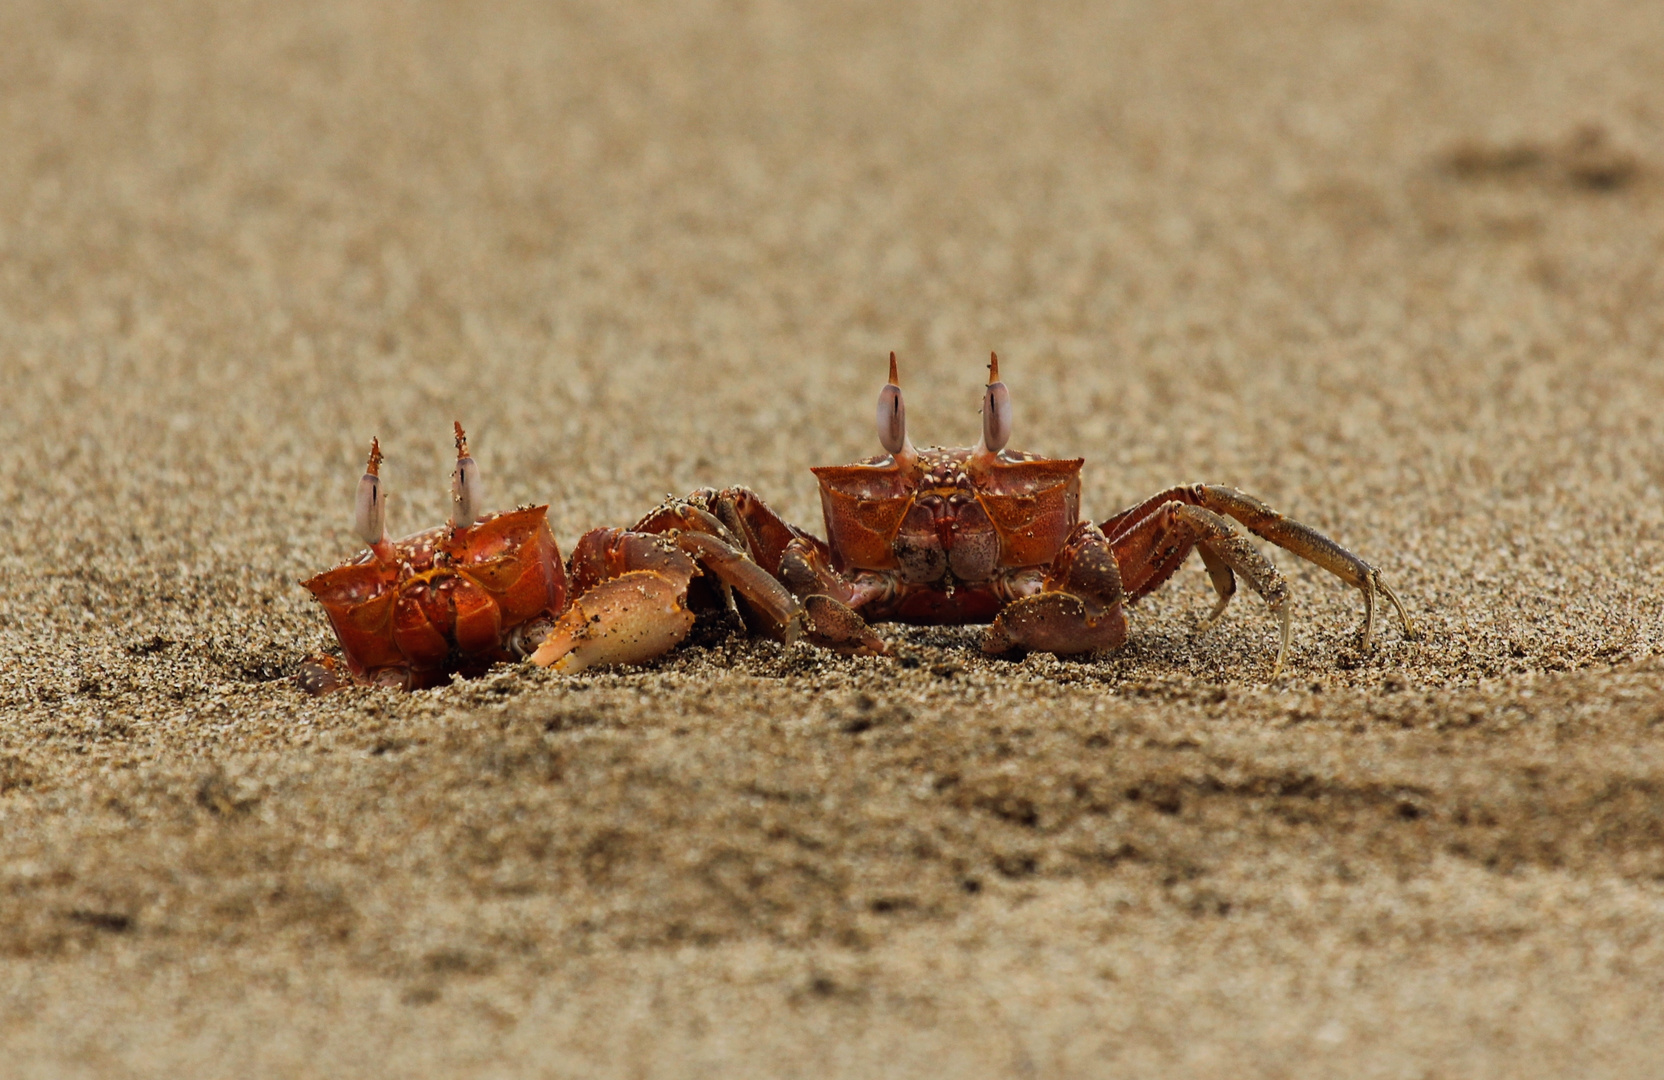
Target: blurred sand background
[{"x": 1393, "y": 266}]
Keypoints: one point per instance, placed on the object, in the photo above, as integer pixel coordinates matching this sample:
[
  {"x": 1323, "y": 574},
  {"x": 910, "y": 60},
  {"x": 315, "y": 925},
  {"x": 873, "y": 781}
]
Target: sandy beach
[{"x": 1396, "y": 268}]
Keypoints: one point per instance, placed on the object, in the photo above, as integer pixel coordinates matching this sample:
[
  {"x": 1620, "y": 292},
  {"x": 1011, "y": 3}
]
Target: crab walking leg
[
  {"x": 1285, "y": 532},
  {"x": 724, "y": 553},
  {"x": 779, "y": 610},
  {"x": 804, "y": 564},
  {"x": 1149, "y": 557},
  {"x": 765, "y": 560},
  {"x": 1310, "y": 545},
  {"x": 831, "y": 599},
  {"x": 766, "y": 534},
  {"x": 1224, "y": 584},
  {"x": 632, "y": 606},
  {"x": 1150, "y": 550}
]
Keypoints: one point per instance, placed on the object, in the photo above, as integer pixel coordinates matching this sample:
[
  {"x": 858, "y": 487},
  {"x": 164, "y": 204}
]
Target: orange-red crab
[
  {"x": 965, "y": 535},
  {"x": 485, "y": 588}
]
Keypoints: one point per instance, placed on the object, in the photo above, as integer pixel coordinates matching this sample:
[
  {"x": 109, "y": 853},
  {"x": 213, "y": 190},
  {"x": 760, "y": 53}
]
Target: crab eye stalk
[
  {"x": 892, "y": 416},
  {"x": 467, "y": 494},
  {"x": 370, "y": 513},
  {"x": 996, "y": 410}
]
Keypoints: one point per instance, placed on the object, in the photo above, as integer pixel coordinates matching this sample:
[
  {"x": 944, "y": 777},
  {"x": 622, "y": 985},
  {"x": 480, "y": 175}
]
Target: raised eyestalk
[
  {"x": 370, "y": 513},
  {"x": 996, "y": 411},
  {"x": 892, "y": 419},
  {"x": 467, "y": 496}
]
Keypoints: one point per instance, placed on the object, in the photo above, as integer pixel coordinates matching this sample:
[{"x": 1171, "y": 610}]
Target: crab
[
  {"x": 936, "y": 536},
  {"x": 486, "y": 588}
]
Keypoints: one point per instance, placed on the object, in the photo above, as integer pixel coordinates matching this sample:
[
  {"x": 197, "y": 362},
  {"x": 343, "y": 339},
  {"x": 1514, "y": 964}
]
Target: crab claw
[
  {"x": 631, "y": 605},
  {"x": 630, "y": 619},
  {"x": 837, "y": 626},
  {"x": 1079, "y": 608}
]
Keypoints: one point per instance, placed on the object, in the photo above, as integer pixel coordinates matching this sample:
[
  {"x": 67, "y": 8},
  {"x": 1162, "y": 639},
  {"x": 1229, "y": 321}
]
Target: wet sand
[{"x": 1394, "y": 268}]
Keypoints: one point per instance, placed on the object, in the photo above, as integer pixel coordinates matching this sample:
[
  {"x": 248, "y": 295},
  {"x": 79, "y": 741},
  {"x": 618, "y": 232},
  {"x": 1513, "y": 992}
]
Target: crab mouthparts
[{"x": 947, "y": 530}]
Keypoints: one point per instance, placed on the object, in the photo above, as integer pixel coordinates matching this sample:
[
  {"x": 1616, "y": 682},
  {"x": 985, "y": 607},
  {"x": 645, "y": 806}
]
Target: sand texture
[{"x": 1395, "y": 267}]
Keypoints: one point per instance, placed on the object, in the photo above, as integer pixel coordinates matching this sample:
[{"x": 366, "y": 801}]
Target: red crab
[
  {"x": 967, "y": 535},
  {"x": 462, "y": 596}
]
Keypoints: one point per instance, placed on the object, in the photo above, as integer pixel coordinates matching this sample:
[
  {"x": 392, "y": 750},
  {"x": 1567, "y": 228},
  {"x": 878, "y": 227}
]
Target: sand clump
[{"x": 1394, "y": 270}]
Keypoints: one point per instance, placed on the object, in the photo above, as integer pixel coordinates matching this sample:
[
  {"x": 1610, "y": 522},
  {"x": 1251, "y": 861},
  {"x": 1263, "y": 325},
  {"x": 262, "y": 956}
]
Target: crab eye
[
  {"x": 370, "y": 518},
  {"x": 892, "y": 414},
  {"x": 467, "y": 496},
  {"x": 996, "y": 409}
]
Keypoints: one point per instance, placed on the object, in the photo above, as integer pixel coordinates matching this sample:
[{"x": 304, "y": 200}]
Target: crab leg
[
  {"x": 1224, "y": 584},
  {"x": 729, "y": 559},
  {"x": 787, "y": 554},
  {"x": 804, "y": 563},
  {"x": 632, "y": 588},
  {"x": 1151, "y": 550},
  {"x": 764, "y": 534},
  {"x": 778, "y": 610},
  {"x": 1286, "y": 533}
]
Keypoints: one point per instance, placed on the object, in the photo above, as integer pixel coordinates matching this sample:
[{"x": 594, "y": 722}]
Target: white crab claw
[{"x": 630, "y": 619}]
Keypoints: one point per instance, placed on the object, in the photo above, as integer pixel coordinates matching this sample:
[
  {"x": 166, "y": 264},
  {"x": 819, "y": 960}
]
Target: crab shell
[
  {"x": 946, "y": 521},
  {"x": 447, "y": 600}
]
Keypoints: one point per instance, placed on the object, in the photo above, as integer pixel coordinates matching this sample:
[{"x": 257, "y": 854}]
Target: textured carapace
[
  {"x": 964, "y": 512},
  {"x": 1008, "y": 509}
]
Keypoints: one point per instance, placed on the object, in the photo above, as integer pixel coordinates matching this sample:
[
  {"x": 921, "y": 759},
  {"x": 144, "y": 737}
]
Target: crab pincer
[
  {"x": 631, "y": 590},
  {"x": 631, "y": 603}
]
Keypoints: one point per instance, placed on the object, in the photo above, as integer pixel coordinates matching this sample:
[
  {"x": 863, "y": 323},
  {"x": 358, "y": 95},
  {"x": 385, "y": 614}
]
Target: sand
[{"x": 1393, "y": 267}]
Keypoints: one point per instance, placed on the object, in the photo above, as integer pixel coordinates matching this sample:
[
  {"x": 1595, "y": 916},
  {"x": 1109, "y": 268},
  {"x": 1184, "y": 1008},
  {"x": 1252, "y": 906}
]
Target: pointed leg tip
[
  {"x": 1404, "y": 619},
  {"x": 1213, "y": 619},
  {"x": 1286, "y": 615},
  {"x": 794, "y": 628}
]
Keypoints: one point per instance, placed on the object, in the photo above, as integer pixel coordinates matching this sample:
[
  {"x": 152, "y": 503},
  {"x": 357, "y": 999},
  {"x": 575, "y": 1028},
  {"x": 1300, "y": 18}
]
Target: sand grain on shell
[{"x": 1394, "y": 269}]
